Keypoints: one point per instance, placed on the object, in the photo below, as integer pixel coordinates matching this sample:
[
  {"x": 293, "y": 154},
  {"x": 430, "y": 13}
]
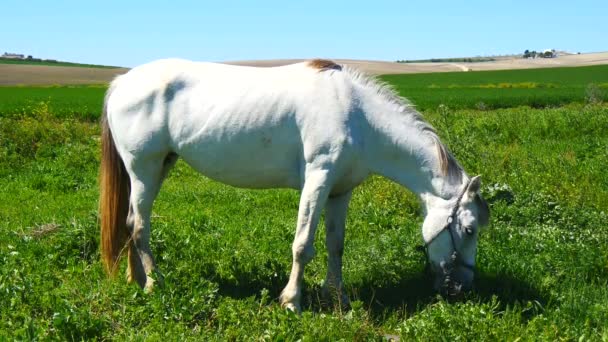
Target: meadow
[
  {"x": 225, "y": 252},
  {"x": 65, "y": 102},
  {"x": 537, "y": 88}
]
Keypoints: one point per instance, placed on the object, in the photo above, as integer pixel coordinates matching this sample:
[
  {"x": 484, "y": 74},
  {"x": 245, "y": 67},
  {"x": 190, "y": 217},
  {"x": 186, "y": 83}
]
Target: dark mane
[{"x": 324, "y": 64}]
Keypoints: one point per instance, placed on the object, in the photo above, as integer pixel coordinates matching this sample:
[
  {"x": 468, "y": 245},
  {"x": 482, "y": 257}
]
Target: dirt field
[
  {"x": 380, "y": 67},
  {"x": 44, "y": 75},
  {"x": 12, "y": 74}
]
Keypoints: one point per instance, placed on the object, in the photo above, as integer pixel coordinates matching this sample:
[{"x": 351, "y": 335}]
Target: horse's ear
[
  {"x": 482, "y": 205},
  {"x": 484, "y": 211},
  {"x": 474, "y": 186}
]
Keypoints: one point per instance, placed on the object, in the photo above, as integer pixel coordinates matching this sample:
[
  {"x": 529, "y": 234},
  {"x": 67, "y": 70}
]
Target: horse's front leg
[
  {"x": 313, "y": 198},
  {"x": 335, "y": 222}
]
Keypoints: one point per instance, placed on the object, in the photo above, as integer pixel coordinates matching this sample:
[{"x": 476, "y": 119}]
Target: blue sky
[{"x": 128, "y": 33}]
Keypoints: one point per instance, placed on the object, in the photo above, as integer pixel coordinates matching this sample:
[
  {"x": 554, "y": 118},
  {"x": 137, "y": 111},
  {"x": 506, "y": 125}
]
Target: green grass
[
  {"x": 225, "y": 252},
  {"x": 81, "y": 102},
  {"x": 539, "y": 88},
  {"x": 48, "y": 62}
]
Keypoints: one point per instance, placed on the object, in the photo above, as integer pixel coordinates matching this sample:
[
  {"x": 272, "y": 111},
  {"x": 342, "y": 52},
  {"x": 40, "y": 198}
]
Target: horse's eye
[{"x": 469, "y": 231}]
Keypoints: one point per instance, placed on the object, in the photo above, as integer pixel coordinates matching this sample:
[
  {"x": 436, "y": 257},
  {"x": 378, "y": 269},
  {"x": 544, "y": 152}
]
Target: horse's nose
[{"x": 454, "y": 283}]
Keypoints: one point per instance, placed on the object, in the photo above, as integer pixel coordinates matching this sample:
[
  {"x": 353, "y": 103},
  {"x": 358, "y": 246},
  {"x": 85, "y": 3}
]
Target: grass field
[
  {"x": 537, "y": 88},
  {"x": 76, "y": 102},
  {"x": 485, "y": 90},
  {"x": 225, "y": 252}
]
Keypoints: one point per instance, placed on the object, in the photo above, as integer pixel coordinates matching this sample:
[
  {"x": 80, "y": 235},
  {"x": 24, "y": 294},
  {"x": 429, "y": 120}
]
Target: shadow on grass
[
  {"x": 411, "y": 294},
  {"x": 247, "y": 284},
  {"x": 242, "y": 289},
  {"x": 415, "y": 292}
]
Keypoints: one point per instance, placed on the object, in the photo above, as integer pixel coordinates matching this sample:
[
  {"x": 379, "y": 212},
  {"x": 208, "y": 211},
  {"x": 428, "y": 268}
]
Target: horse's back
[{"x": 245, "y": 126}]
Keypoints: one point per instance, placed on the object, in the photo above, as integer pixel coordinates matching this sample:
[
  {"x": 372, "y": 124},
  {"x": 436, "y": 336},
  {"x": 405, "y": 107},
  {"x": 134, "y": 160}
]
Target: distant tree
[
  {"x": 527, "y": 54},
  {"x": 29, "y": 57}
]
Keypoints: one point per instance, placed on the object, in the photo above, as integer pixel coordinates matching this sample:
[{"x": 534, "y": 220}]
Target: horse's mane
[{"x": 447, "y": 163}]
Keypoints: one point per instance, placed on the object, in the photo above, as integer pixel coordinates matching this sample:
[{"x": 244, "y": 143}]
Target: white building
[{"x": 13, "y": 55}]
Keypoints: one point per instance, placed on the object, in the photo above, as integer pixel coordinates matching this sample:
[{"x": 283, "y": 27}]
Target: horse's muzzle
[{"x": 454, "y": 281}]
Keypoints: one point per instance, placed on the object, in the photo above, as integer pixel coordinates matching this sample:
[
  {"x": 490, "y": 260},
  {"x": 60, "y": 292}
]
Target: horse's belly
[
  {"x": 256, "y": 179},
  {"x": 243, "y": 176},
  {"x": 257, "y": 164}
]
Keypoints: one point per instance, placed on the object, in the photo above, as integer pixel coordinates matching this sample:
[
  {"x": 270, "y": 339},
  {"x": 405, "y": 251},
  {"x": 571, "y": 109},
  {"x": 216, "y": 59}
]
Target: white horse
[{"x": 315, "y": 126}]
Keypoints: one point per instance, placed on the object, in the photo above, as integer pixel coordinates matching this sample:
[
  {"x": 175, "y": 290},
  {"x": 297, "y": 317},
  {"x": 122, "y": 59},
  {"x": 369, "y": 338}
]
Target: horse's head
[{"x": 450, "y": 232}]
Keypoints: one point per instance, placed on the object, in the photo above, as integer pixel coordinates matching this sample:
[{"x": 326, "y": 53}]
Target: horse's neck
[{"x": 404, "y": 149}]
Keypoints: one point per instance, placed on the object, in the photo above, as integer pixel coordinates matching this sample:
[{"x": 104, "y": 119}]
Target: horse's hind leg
[{"x": 146, "y": 178}]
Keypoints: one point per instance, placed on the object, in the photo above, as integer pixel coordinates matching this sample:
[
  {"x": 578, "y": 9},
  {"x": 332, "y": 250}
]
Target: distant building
[{"x": 13, "y": 55}]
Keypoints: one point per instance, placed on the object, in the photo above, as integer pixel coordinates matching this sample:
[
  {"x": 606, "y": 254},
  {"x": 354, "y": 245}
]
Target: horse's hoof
[
  {"x": 333, "y": 298},
  {"x": 154, "y": 279},
  {"x": 159, "y": 279},
  {"x": 149, "y": 288},
  {"x": 290, "y": 300},
  {"x": 150, "y": 283},
  {"x": 292, "y": 307}
]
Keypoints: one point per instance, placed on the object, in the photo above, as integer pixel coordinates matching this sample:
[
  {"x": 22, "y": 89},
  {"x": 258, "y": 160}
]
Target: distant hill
[
  {"x": 45, "y": 72},
  {"x": 449, "y": 60},
  {"x": 430, "y": 66},
  {"x": 51, "y": 62}
]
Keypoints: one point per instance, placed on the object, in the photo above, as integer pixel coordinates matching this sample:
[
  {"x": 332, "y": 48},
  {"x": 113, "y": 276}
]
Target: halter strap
[{"x": 456, "y": 255}]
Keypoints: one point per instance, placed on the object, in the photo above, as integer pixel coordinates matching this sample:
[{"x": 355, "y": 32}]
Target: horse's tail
[{"x": 113, "y": 198}]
